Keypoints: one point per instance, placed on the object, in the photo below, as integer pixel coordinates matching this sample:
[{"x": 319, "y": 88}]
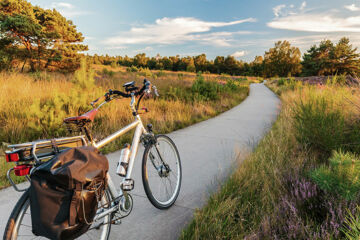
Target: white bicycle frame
[{"x": 139, "y": 131}]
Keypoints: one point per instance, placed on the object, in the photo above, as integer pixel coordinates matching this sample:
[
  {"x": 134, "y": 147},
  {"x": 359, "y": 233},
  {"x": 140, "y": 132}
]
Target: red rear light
[
  {"x": 22, "y": 170},
  {"x": 12, "y": 157}
]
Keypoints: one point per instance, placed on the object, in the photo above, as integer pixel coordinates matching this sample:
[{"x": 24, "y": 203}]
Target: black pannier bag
[{"x": 65, "y": 191}]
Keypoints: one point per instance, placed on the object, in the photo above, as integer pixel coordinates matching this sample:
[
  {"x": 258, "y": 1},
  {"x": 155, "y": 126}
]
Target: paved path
[{"x": 208, "y": 153}]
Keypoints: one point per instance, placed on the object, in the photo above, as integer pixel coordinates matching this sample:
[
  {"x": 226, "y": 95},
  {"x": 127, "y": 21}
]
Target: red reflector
[
  {"x": 12, "y": 157},
  {"x": 22, "y": 170}
]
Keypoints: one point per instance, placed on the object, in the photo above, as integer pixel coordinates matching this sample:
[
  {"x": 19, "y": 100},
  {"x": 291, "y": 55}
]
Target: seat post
[{"x": 88, "y": 134}]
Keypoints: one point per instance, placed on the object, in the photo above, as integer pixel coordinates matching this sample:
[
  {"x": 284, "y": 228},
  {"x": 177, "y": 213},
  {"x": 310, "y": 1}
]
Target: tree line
[
  {"x": 45, "y": 40},
  {"x": 281, "y": 60}
]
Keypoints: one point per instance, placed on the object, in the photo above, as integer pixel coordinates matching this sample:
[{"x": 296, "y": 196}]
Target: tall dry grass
[
  {"x": 33, "y": 106},
  {"x": 270, "y": 195}
]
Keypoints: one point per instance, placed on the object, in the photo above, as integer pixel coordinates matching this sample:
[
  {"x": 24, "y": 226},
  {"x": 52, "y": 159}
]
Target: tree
[
  {"x": 48, "y": 39},
  {"x": 317, "y": 60},
  {"x": 330, "y": 59},
  {"x": 345, "y": 59},
  {"x": 257, "y": 66},
  {"x": 231, "y": 65},
  {"x": 219, "y": 63},
  {"x": 140, "y": 60},
  {"x": 190, "y": 65},
  {"x": 200, "y": 63},
  {"x": 282, "y": 60}
]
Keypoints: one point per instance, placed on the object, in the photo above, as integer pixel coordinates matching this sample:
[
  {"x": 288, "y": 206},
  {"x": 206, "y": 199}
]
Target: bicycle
[{"x": 161, "y": 162}]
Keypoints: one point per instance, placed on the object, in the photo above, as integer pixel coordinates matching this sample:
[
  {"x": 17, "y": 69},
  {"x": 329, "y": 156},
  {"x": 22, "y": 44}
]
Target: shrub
[
  {"x": 305, "y": 212},
  {"x": 109, "y": 73},
  {"x": 160, "y": 73},
  {"x": 204, "y": 90},
  {"x": 146, "y": 72},
  {"x": 352, "y": 225},
  {"x": 336, "y": 80},
  {"x": 341, "y": 176},
  {"x": 84, "y": 76},
  {"x": 319, "y": 127},
  {"x": 132, "y": 69}
]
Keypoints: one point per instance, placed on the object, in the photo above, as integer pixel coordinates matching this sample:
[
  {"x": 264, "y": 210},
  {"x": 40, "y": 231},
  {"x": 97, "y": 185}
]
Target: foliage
[
  {"x": 330, "y": 59},
  {"x": 37, "y": 108},
  {"x": 270, "y": 195},
  {"x": 352, "y": 225},
  {"x": 42, "y": 37},
  {"x": 84, "y": 77},
  {"x": 341, "y": 176},
  {"x": 305, "y": 212},
  {"x": 282, "y": 60},
  {"x": 318, "y": 126},
  {"x": 204, "y": 90}
]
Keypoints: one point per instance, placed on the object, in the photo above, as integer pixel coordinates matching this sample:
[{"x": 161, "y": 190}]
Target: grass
[
  {"x": 272, "y": 194},
  {"x": 33, "y": 106}
]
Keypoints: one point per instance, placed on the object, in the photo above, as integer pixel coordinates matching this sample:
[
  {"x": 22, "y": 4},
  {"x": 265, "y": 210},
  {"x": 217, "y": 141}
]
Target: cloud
[
  {"x": 303, "y": 6},
  {"x": 177, "y": 30},
  {"x": 62, "y": 5},
  {"x": 68, "y": 10},
  {"x": 317, "y": 23},
  {"x": 142, "y": 50},
  {"x": 238, "y": 54},
  {"x": 352, "y": 7},
  {"x": 277, "y": 9}
]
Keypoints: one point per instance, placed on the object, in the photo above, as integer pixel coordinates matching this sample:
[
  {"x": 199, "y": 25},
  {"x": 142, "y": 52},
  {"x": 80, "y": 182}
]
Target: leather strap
[{"x": 54, "y": 146}]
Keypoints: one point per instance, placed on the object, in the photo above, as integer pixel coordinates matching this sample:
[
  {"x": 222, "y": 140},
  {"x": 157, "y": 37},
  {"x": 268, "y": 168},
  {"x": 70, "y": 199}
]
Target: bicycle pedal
[
  {"x": 116, "y": 222},
  {"x": 127, "y": 185}
]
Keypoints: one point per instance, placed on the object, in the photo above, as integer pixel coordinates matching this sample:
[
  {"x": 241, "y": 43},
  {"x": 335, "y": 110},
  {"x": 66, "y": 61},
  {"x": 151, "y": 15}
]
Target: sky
[{"x": 241, "y": 28}]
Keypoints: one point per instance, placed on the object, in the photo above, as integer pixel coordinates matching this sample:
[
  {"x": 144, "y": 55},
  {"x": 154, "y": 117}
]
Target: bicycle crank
[{"x": 125, "y": 204}]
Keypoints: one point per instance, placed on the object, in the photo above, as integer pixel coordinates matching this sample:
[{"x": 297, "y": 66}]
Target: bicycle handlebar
[{"x": 107, "y": 96}]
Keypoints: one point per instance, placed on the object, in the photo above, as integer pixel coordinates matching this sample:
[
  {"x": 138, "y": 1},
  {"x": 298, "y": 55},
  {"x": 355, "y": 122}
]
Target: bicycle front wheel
[
  {"x": 19, "y": 225},
  {"x": 161, "y": 172}
]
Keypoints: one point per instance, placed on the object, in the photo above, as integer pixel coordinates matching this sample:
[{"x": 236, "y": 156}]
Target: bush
[
  {"x": 341, "y": 177},
  {"x": 84, "y": 76},
  {"x": 318, "y": 126},
  {"x": 160, "y": 73},
  {"x": 109, "y": 73},
  {"x": 352, "y": 225},
  {"x": 146, "y": 72},
  {"x": 305, "y": 212},
  {"x": 336, "y": 80},
  {"x": 132, "y": 69},
  {"x": 204, "y": 90}
]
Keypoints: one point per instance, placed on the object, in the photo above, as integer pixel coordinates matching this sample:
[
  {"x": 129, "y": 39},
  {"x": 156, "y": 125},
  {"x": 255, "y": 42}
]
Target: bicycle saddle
[{"x": 86, "y": 117}]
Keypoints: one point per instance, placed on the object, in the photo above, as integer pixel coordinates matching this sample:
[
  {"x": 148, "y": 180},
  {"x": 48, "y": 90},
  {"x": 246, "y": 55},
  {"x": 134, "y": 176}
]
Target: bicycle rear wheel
[
  {"x": 161, "y": 172},
  {"x": 19, "y": 225}
]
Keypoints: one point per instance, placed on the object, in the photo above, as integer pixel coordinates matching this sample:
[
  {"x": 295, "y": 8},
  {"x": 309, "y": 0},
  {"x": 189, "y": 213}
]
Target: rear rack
[{"x": 43, "y": 149}]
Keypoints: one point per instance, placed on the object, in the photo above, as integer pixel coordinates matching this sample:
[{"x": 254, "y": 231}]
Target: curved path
[{"x": 208, "y": 153}]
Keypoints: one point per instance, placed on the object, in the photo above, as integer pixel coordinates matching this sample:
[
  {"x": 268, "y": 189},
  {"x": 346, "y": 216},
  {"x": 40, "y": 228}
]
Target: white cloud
[
  {"x": 142, "y": 50},
  {"x": 238, "y": 54},
  {"x": 62, "y": 5},
  {"x": 116, "y": 48},
  {"x": 68, "y": 10},
  {"x": 177, "y": 30},
  {"x": 277, "y": 9},
  {"x": 352, "y": 7},
  {"x": 303, "y": 6},
  {"x": 319, "y": 22}
]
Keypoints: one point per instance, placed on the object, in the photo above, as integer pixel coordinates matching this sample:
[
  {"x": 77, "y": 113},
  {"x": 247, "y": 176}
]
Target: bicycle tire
[
  {"x": 22, "y": 205},
  {"x": 145, "y": 176}
]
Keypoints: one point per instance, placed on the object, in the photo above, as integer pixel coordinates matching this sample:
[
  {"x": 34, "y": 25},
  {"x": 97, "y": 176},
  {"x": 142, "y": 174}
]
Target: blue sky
[{"x": 214, "y": 27}]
